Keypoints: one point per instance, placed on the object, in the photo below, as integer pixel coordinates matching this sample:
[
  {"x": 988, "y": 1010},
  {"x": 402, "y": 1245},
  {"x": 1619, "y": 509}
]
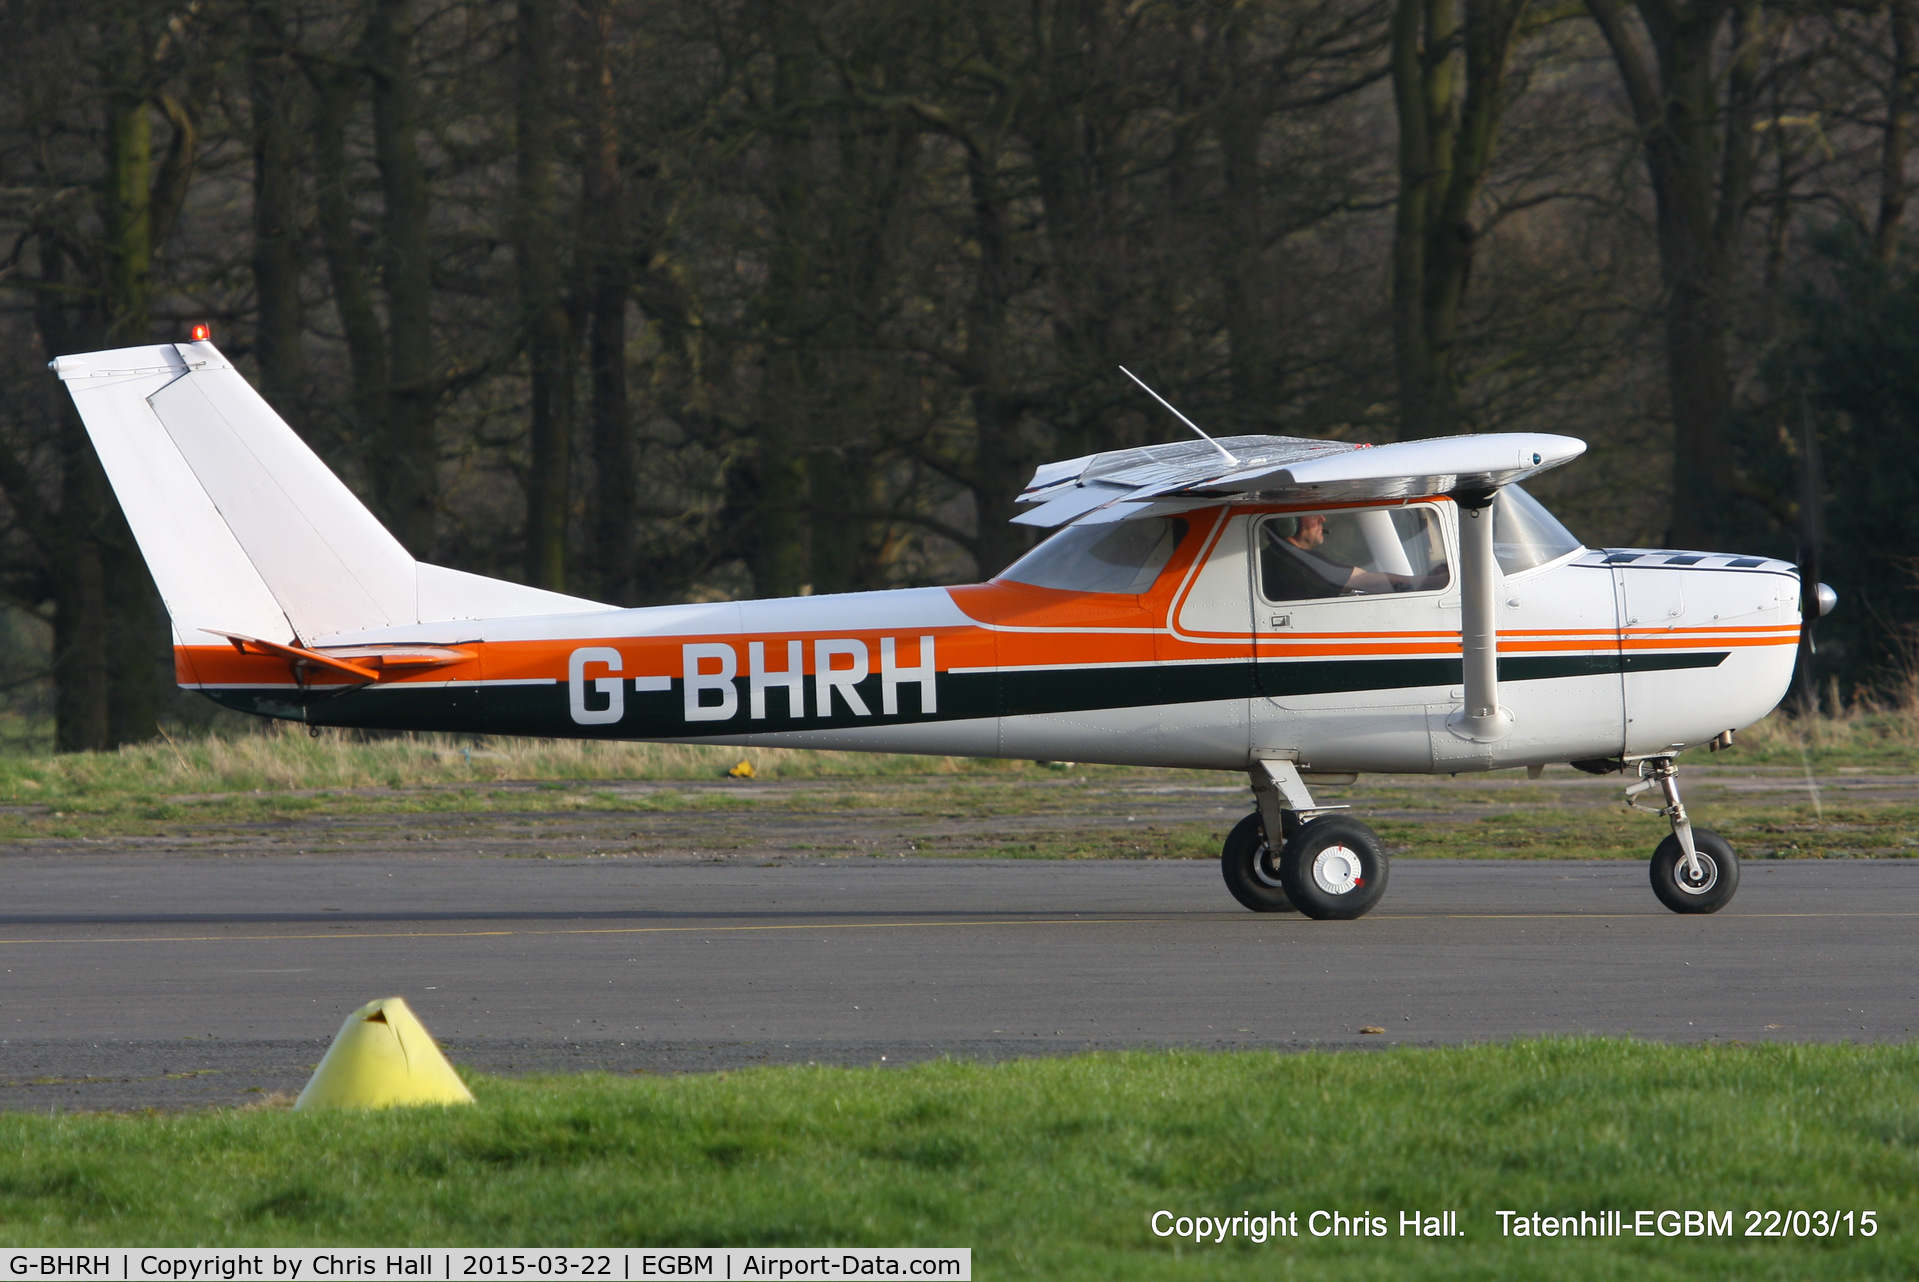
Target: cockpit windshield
[
  {"x": 1525, "y": 534},
  {"x": 1122, "y": 557}
]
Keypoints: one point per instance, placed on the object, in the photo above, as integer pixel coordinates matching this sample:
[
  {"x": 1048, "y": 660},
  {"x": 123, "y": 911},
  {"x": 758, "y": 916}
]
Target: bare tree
[
  {"x": 545, "y": 316},
  {"x": 1450, "y": 90},
  {"x": 1698, "y": 149}
]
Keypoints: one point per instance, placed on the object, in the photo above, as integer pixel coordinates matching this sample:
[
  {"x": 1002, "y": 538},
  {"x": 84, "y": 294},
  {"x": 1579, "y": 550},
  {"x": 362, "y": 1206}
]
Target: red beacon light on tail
[{"x": 201, "y": 333}]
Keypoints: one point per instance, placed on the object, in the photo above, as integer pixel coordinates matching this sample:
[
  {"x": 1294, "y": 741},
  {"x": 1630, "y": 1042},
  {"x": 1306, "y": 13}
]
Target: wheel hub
[
  {"x": 1266, "y": 868},
  {"x": 1337, "y": 870},
  {"x": 1707, "y": 879}
]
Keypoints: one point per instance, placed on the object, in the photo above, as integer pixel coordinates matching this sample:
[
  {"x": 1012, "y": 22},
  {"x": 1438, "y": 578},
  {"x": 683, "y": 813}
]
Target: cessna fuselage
[{"x": 1205, "y": 662}]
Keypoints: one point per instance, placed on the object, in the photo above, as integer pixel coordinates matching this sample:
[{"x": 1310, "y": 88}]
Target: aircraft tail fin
[{"x": 243, "y": 527}]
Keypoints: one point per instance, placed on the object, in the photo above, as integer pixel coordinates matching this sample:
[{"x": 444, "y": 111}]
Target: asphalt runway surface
[{"x": 138, "y": 980}]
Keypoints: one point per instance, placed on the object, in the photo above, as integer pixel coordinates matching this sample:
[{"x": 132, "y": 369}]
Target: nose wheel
[
  {"x": 1693, "y": 870},
  {"x": 1702, "y": 886}
]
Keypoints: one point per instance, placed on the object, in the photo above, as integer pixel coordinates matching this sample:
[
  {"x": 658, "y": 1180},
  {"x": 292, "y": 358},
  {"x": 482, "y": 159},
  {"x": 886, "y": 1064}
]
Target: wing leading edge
[{"x": 1124, "y": 484}]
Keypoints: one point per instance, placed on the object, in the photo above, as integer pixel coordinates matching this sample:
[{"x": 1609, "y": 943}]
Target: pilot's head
[{"x": 1309, "y": 531}]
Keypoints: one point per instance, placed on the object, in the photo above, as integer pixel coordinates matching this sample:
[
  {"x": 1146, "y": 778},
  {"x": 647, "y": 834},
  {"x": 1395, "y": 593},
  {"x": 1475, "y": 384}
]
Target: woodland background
[{"x": 651, "y": 300}]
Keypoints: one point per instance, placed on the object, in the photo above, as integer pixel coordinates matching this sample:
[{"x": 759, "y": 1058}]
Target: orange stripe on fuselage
[
  {"x": 1017, "y": 626},
  {"x": 961, "y": 648}
]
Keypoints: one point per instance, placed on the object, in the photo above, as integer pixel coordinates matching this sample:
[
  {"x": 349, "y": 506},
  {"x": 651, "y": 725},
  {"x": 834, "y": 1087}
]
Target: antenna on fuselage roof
[{"x": 1181, "y": 417}]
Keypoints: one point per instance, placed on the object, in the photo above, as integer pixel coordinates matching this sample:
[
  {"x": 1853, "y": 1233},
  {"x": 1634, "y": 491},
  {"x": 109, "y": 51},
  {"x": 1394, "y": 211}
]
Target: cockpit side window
[
  {"x": 1125, "y": 556},
  {"x": 1525, "y": 534},
  {"x": 1351, "y": 553}
]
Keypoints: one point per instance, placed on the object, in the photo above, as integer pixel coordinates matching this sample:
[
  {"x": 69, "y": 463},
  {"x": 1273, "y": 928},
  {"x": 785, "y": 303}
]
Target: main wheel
[
  {"x": 1711, "y": 890},
  {"x": 1251, "y": 872},
  {"x": 1334, "y": 869}
]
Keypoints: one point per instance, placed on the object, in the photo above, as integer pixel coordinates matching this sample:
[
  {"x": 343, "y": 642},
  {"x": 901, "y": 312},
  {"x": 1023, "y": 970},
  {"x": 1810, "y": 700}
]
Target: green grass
[
  {"x": 284, "y": 773},
  {"x": 1047, "y": 1168},
  {"x": 1872, "y": 736},
  {"x": 1761, "y": 827},
  {"x": 283, "y": 759},
  {"x": 240, "y": 788},
  {"x": 282, "y": 756}
]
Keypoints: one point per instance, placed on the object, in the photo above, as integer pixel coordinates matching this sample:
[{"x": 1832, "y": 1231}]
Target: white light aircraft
[{"x": 1300, "y": 610}]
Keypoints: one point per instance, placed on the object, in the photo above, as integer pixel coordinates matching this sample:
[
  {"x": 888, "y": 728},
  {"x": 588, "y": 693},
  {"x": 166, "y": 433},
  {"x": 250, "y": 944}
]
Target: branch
[
  {"x": 1641, "y": 91},
  {"x": 176, "y": 171}
]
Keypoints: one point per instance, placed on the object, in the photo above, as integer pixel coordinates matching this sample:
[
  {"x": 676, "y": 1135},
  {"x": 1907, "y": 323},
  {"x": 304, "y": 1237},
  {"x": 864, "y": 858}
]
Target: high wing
[
  {"x": 1127, "y": 484},
  {"x": 1123, "y": 484}
]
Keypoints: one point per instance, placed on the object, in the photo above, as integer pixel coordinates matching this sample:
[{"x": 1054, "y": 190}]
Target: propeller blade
[{"x": 1812, "y": 485}]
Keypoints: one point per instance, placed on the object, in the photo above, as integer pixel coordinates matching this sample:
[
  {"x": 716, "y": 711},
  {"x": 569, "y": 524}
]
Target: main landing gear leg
[
  {"x": 1693, "y": 870},
  {"x": 1326, "y": 866}
]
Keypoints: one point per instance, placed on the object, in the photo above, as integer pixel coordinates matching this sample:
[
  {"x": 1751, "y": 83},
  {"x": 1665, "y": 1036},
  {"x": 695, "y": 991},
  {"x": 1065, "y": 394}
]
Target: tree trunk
[
  {"x": 127, "y": 304},
  {"x": 843, "y": 491},
  {"x": 68, "y": 534},
  {"x": 81, "y": 688},
  {"x": 1422, "y": 98},
  {"x": 123, "y": 633},
  {"x": 778, "y": 554},
  {"x": 1699, "y": 159},
  {"x": 543, "y": 311},
  {"x": 406, "y": 480},
  {"x": 1001, "y": 460},
  {"x": 276, "y": 221},
  {"x": 138, "y": 649},
  {"x": 608, "y": 271},
  {"x": 347, "y": 274},
  {"x": 1901, "y": 89},
  {"x": 1246, "y": 288},
  {"x": 1446, "y": 144}
]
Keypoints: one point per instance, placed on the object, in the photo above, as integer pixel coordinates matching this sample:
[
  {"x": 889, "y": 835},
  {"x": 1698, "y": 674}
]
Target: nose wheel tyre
[
  {"x": 1251, "y": 871},
  {"x": 1334, "y": 869},
  {"x": 1711, "y": 890}
]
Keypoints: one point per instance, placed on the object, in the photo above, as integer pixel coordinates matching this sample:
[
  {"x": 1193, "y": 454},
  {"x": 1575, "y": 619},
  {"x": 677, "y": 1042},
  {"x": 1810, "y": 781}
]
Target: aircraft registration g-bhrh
[{"x": 1299, "y": 610}]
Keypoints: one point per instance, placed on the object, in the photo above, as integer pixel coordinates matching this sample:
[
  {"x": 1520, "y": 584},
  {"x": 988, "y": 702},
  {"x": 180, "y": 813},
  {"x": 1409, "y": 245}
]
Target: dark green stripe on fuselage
[{"x": 542, "y": 710}]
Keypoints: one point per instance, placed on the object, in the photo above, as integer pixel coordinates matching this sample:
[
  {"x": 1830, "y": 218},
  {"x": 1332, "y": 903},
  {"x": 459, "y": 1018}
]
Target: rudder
[{"x": 244, "y": 529}]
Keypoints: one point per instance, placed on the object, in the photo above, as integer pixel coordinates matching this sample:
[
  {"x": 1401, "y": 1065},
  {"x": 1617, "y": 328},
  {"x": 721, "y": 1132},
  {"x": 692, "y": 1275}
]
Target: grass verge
[
  {"x": 1050, "y": 1168},
  {"x": 283, "y": 758},
  {"x": 282, "y": 773},
  {"x": 296, "y": 789}
]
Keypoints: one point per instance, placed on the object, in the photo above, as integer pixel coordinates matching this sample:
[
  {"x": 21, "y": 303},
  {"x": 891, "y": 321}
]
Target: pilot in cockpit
[{"x": 1294, "y": 569}]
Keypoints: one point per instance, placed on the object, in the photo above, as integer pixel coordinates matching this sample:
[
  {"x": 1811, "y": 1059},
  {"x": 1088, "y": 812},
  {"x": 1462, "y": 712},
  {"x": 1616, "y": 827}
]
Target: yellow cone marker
[{"x": 383, "y": 1056}]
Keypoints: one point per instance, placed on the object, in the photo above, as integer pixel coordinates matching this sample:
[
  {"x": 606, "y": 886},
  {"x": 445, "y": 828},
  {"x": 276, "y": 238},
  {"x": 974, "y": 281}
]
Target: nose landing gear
[{"x": 1693, "y": 870}]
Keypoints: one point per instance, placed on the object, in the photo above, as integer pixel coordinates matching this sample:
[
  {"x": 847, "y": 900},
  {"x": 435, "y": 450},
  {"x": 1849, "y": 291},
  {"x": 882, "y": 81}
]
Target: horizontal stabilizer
[{"x": 364, "y": 663}]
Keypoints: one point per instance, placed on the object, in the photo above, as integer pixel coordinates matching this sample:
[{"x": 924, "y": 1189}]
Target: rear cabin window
[
  {"x": 1367, "y": 552},
  {"x": 1123, "y": 557}
]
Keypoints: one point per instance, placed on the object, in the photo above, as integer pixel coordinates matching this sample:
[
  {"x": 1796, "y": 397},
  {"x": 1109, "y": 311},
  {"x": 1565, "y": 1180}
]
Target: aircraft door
[{"x": 1343, "y": 601}]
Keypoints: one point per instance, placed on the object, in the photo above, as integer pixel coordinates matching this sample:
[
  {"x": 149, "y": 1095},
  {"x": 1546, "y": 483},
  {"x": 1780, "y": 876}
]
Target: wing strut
[{"x": 1481, "y": 719}]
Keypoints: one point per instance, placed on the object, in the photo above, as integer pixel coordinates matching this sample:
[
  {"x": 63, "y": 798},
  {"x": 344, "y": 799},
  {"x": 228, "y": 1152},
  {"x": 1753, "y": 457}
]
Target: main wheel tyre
[
  {"x": 1334, "y": 869},
  {"x": 1251, "y": 872},
  {"x": 1711, "y": 890}
]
